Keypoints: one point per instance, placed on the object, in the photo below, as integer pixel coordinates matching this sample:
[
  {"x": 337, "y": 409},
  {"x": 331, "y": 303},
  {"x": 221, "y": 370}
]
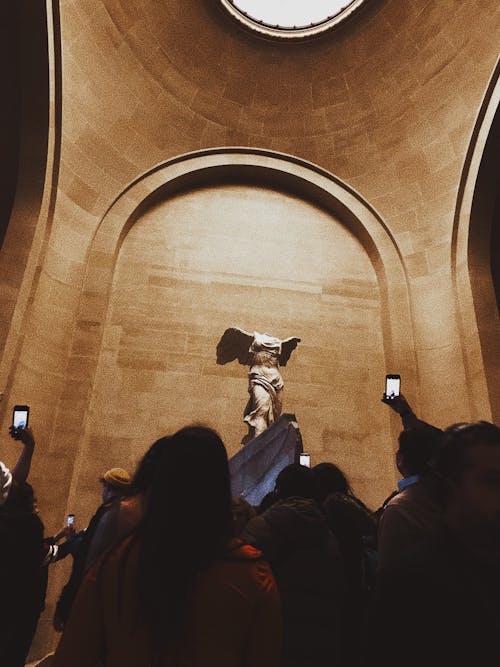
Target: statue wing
[
  {"x": 287, "y": 347},
  {"x": 234, "y": 344}
]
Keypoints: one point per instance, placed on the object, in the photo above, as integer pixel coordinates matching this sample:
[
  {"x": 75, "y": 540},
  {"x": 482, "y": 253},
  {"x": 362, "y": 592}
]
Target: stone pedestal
[{"x": 254, "y": 468}]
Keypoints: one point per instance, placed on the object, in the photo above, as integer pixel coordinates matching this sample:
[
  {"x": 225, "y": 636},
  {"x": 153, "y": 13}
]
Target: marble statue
[{"x": 264, "y": 354}]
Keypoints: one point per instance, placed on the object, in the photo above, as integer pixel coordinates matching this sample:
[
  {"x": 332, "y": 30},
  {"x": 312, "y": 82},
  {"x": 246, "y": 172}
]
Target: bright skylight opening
[{"x": 289, "y": 14}]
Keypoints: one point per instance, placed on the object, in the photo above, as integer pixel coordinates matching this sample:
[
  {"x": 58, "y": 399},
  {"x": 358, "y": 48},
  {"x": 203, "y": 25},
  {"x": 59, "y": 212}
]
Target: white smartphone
[
  {"x": 392, "y": 385},
  {"x": 305, "y": 460}
]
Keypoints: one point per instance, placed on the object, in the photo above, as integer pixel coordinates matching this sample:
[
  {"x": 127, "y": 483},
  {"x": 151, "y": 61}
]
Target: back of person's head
[
  {"x": 190, "y": 485},
  {"x": 295, "y": 480},
  {"x": 187, "y": 523},
  {"x": 418, "y": 447},
  {"x": 469, "y": 467},
  {"x": 458, "y": 440},
  {"x": 23, "y": 500},
  {"x": 329, "y": 479}
]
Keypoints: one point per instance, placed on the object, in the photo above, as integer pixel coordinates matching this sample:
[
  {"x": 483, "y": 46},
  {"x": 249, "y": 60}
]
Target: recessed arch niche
[
  {"x": 253, "y": 239},
  {"x": 476, "y": 257},
  {"x": 29, "y": 139}
]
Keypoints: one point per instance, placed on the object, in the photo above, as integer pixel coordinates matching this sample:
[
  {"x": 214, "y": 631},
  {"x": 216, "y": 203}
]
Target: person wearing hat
[{"x": 116, "y": 484}]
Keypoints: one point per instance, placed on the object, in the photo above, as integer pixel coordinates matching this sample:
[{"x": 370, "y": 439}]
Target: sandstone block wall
[{"x": 111, "y": 309}]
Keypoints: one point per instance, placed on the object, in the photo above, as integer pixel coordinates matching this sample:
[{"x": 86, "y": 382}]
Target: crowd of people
[{"x": 173, "y": 571}]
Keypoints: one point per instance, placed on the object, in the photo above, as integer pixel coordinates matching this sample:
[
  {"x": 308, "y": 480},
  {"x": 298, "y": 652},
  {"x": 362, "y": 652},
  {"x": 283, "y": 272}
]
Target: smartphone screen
[
  {"x": 71, "y": 519},
  {"x": 305, "y": 460},
  {"x": 20, "y": 416},
  {"x": 392, "y": 385}
]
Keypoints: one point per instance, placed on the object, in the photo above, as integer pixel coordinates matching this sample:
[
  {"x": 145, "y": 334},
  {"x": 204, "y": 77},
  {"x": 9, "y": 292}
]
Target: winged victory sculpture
[{"x": 264, "y": 354}]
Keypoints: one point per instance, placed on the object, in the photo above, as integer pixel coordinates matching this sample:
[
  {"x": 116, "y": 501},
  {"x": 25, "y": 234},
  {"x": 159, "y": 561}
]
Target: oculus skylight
[{"x": 290, "y": 18}]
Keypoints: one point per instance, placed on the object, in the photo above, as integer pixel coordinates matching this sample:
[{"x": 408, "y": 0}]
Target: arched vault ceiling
[{"x": 387, "y": 102}]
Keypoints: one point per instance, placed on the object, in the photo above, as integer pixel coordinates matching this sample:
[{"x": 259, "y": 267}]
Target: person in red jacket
[{"x": 181, "y": 590}]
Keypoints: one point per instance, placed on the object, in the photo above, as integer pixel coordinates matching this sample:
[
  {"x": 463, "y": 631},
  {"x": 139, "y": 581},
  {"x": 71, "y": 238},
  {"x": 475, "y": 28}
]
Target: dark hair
[
  {"x": 187, "y": 523},
  {"x": 345, "y": 510},
  {"x": 457, "y": 440},
  {"x": 143, "y": 475},
  {"x": 295, "y": 480},
  {"x": 330, "y": 479},
  {"x": 419, "y": 446},
  {"x": 22, "y": 500}
]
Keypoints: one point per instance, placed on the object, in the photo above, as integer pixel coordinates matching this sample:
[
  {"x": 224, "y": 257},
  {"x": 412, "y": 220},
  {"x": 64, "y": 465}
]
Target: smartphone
[
  {"x": 392, "y": 386},
  {"x": 20, "y": 417},
  {"x": 71, "y": 519},
  {"x": 305, "y": 460}
]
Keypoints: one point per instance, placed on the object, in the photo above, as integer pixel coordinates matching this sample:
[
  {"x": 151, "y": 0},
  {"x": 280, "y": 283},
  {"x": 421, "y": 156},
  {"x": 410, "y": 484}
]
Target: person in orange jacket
[{"x": 181, "y": 590}]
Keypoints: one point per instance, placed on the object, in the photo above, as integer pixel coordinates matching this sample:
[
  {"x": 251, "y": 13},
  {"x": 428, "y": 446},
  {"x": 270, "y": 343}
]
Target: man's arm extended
[
  {"x": 21, "y": 469},
  {"x": 401, "y": 406}
]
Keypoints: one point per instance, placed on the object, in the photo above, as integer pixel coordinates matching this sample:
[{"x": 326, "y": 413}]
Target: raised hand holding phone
[
  {"x": 20, "y": 419},
  {"x": 305, "y": 460},
  {"x": 392, "y": 386},
  {"x": 397, "y": 402},
  {"x": 69, "y": 531}
]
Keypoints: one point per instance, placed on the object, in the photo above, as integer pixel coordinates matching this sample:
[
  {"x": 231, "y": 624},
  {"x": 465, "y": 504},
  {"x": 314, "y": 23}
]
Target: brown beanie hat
[{"x": 117, "y": 478}]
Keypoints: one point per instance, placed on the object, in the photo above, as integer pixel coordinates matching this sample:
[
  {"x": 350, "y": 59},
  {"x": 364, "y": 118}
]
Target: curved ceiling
[{"x": 180, "y": 76}]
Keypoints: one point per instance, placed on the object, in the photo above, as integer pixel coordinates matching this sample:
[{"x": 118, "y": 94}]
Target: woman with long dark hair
[{"x": 181, "y": 590}]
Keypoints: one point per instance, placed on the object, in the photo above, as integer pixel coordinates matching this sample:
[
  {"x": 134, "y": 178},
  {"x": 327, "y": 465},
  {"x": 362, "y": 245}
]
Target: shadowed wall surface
[{"x": 387, "y": 103}]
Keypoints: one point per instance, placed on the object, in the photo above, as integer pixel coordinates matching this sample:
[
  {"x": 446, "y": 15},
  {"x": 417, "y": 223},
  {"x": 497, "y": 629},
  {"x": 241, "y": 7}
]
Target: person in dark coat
[
  {"x": 115, "y": 485},
  {"x": 412, "y": 514},
  {"x": 304, "y": 555},
  {"x": 354, "y": 526},
  {"x": 23, "y": 580},
  {"x": 438, "y": 603}
]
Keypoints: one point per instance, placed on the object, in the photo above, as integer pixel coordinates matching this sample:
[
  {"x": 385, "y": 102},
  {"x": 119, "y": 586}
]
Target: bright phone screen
[
  {"x": 20, "y": 418},
  {"x": 392, "y": 385},
  {"x": 305, "y": 460}
]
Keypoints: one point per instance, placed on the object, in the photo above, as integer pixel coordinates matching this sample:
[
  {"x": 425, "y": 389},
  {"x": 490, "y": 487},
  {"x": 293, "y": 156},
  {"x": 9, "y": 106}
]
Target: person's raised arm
[
  {"x": 401, "y": 406},
  {"x": 21, "y": 469}
]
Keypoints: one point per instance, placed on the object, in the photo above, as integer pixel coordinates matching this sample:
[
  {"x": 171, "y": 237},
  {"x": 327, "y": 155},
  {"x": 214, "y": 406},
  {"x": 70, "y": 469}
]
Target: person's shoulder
[
  {"x": 292, "y": 506},
  {"x": 416, "y": 497},
  {"x": 400, "y": 498},
  {"x": 108, "y": 561}
]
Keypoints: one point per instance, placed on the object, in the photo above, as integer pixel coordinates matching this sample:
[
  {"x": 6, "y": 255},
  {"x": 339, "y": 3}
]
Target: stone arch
[
  {"x": 200, "y": 169},
  {"x": 476, "y": 256},
  {"x": 305, "y": 179},
  {"x": 35, "y": 43}
]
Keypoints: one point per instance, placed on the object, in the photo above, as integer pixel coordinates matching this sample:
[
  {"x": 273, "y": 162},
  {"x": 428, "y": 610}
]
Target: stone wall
[{"x": 119, "y": 307}]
